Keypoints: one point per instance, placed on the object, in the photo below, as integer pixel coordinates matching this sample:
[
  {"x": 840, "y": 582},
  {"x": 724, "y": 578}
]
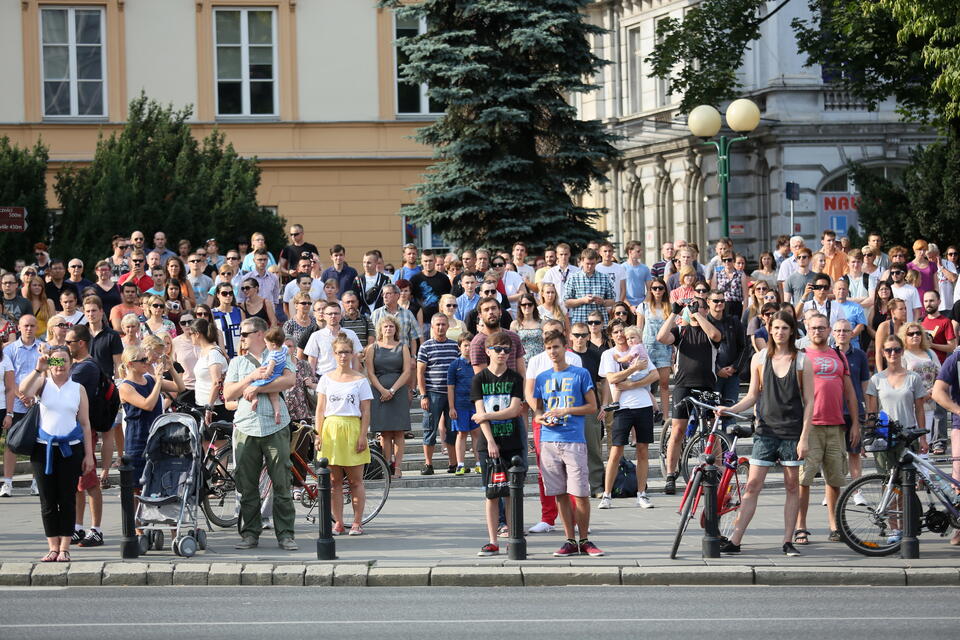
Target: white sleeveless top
[{"x": 59, "y": 406}]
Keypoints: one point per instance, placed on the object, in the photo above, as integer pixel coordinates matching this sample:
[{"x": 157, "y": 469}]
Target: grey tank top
[{"x": 780, "y": 405}]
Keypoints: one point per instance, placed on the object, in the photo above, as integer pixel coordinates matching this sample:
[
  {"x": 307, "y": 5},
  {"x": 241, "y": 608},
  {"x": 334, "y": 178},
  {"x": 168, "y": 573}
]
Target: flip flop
[
  {"x": 64, "y": 556},
  {"x": 801, "y": 536},
  {"x": 50, "y": 557}
]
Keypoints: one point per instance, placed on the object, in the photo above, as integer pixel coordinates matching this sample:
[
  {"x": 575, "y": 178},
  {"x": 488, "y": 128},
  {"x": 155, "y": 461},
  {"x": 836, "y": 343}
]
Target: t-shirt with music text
[{"x": 497, "y": 392}]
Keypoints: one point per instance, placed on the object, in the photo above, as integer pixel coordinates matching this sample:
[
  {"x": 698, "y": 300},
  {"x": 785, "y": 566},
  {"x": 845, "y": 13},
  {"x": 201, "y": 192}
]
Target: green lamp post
[{"x": 704, "y": 121}]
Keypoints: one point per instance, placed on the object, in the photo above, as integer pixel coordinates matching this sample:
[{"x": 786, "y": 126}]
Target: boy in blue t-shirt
[
  {"x": 459, "y": 381},
  {"x": 561, "y": 398}
]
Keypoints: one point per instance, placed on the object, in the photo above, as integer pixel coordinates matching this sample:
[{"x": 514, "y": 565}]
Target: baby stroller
[{"x": 170, "y": 496}]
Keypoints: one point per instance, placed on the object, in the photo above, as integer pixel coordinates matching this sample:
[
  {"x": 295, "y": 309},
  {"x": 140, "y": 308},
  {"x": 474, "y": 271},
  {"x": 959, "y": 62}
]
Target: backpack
[
  {"x": 625, "y": 484},
  {"x": 104, "y": 404}
]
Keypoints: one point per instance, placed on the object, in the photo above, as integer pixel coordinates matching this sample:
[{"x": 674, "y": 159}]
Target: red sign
[
  {"x": 841, "y": 203},
  {"x": 13, "y": 219},
  {"x": 736, "y": 230}
]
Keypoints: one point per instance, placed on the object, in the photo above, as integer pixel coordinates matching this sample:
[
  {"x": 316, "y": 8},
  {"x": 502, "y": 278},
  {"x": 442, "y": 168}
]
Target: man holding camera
[{"x": 696, "y": 338}]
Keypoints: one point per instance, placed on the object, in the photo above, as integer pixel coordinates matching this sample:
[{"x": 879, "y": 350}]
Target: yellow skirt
[{"x": 340, "y": 434}]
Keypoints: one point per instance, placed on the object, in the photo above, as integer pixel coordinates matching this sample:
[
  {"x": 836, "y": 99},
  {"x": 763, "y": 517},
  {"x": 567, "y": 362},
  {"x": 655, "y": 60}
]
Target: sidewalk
[{"x": 431, "y": 536}]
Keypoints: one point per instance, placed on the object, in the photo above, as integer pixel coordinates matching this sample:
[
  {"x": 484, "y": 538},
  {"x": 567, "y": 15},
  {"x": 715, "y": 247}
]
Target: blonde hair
[
  {"x": 131, "y": 353},
  {"x": 342, "y": 340},
  {"x": 153, "y": 342},
  {"x": 687, "y": 271},
  {"x": 392, "y": 320},
  {"x": 302, "y": 296},
  {"x": 151, "y": 301},
  {"x": 924, "y": 336},
  {"x": 632, "y": 330},
  {"x": 129, "y": 320},
  {"x": 447, "y": 297}
]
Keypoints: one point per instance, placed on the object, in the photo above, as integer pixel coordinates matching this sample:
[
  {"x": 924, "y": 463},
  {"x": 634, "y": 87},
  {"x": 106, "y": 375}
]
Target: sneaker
[
  {"x": 612, "y": 407},
  {"x": 728, "y": 547},
  {"x": 451, "y": 468},
  {"x": 541, "y": 527},
  {"x": 248, "y": 542},
  {"x": 34, "y": 491},
  {"x": 823, "y": 502},
  {"x": 895, "y": 536},
  {"x": 477, "y": 469},
  {"x": 569, "y": 548},
  {"x": 288, "y": 544},
  {"x": 466, "y": 469},
  {"x": 460, "y": 470},
  {"x": 78, "y": 536},
  {"x": 605, "y": 503},
  {"x": 859, "y": 500},
  {"x": 427, "y": 470},
  {"x": 643, "y": 501},
  {"x": 6, "y": 490},
  {"x": 93, "y": 539},
  {"x": 503, "y": 531},
  {"x": 790, "y": 550},
  {"x": 592, "y": 550},
  {"x": 670, "y": 486},
  {"x": 268, "y": 523},
  {"x": 297, "y": 494},
  {"x": 489, "y": 549}
]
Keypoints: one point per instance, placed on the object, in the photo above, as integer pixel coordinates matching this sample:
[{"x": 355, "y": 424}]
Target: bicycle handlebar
[{"x": 714, "y": 409}]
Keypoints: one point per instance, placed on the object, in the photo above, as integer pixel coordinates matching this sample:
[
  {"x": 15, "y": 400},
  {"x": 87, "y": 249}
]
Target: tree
[
  {"x": 23, "y": 183},
  {"x": 154, "y": 176},
  {"x": 512, "y": 153}
]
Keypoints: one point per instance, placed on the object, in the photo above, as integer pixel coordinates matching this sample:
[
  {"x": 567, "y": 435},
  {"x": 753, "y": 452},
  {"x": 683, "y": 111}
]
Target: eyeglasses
[
  {"x": 914, "y": 334},
  {"x": 893, "y": 350},
  {"x": 343, "y": 353},
  {"x": 594, "y": 323},
  {"x": 580, "y": 335},
  {"x": 61, "y": 325},
  {"x": 500, "y": 349},
  {"x": 244, "y": 334},
  {"x": 843, "y": 331}
]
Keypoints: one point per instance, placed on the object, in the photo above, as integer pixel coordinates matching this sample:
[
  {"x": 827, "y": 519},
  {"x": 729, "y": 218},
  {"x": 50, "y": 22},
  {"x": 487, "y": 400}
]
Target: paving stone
[
  {"x": 808, "y": 576},
  {"x": 160, "y": 574},
  {"x": 224, "y": 575},
  {"x": 49, "y": 574},
  {"x": 476, "y": 577},
  {"x": 85, "y": 574},
  {"x": 260, "y": 575},
  {"x": 698, "y": 575},
  {"x": 350, "y": 575},
  {"x": 289, "y": 575},
  {"x": 124, "y": 574},
  {"x": 15, "y": 574},
  {"x": 318, "y": 575},
  {"x": 190, "y": 573},
  {"x": 932, "y": 576},
  {"x": 559, "y": 576},
  {"x": 398, "y": 577}
]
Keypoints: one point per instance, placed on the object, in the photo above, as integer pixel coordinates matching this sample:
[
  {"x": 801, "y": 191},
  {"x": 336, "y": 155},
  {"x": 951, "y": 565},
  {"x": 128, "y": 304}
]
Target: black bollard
[
  {"x": 909, "y": 545},
  {"x": 129, "y": 546},
  {"x": 711, "y": 529},
  {"x": 326, "y": 545},
  {"x": 517, "y": 542}
]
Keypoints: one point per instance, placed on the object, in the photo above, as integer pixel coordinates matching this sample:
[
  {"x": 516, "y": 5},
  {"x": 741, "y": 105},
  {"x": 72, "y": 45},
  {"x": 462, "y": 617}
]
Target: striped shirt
[{"x": 437, "y": 356}]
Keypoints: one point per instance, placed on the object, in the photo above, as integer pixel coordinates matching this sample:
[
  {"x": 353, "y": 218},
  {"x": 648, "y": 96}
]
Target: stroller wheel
[
  {"x": 144, "y": 542},
  {"x": 188, "y": 547},
  {"x": 175, "y": 546},
  {"x": 201, "y": 539},
  {"x": 157, "y": 540}
]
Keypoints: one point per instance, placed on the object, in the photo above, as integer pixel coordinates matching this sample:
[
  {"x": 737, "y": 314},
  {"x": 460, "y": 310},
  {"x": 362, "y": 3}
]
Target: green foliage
[
  {"x": 23, "y": 184},
  {"x": 700, "y": 55},
  {"x": 155, "y": 176},
  {"x": 511, "y": 150}
]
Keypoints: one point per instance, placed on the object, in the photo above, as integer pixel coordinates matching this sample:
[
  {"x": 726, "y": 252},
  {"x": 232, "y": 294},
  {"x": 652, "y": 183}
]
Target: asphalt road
[{"x": 870, "y": 613}]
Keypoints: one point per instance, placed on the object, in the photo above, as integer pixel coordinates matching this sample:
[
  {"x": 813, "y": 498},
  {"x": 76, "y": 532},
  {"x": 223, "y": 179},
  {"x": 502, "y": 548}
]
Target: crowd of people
[{"x": 494, "y": 346}]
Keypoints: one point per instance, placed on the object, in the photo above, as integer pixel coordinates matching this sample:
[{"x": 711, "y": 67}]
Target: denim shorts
[{"x": 768, "y": 450}]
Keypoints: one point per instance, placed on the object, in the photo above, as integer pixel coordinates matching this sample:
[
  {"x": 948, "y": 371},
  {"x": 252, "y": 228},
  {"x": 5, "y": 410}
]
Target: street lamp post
[{"x": 704, "y": 121}]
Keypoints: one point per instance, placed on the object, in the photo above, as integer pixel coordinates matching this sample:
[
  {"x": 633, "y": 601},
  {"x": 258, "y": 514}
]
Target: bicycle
[
  {"x": 870, "y": 510},
  {"x": 694, "y": 437},
  {"x": 732, "y": 481}
]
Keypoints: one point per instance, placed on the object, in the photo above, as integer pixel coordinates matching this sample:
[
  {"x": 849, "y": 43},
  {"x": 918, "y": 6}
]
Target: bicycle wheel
[
  {"x": 685, "y": 516},
  {"x": 220, "y": 494},
  {"x": 376, "y": 484},
  {"x": 690, "y": 457},
  {"x": 730, "y": 495},
  {"x": 867, "y": 527}
]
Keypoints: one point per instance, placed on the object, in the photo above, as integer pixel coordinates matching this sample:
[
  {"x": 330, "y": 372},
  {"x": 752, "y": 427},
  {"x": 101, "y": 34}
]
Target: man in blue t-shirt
[
  {"x": 562, "y": 396},
  {"x": 946, "y": 393},
  {"x": 638, "y": 275}
]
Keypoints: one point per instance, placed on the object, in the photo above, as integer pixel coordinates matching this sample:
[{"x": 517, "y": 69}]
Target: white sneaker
[
  {"x": 541, "y": 527},
  {"x": 895, "y": 536},
  {"x": 605, "y": 503},
  {"x": 643, "y": 501},
  {"x": 33, "y": 489},
  {"x": 6, "y": 490},
  {"x": 859, "y": 500},
  {"x": 268, "y": 523},
  {"x": 823, "y": 502}
]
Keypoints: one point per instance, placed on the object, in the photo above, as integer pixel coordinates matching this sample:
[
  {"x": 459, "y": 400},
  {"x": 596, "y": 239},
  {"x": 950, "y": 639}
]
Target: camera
[
  {"x": 694, "y": 306},
  {"x": 173, "y": 305}
]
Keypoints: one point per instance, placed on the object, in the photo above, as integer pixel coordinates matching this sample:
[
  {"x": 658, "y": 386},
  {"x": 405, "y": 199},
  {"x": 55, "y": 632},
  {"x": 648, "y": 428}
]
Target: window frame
[
  {"x": 634, "y": 93},
  {"x": 245, "y": 62},
  {"x": 424, "y": 87},
  {"x": 71, "y": 45}
]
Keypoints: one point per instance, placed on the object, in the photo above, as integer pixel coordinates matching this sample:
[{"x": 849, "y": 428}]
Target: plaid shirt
[
  {"x": 580, "y": 285},
  {"x": 409, "y": 327}
]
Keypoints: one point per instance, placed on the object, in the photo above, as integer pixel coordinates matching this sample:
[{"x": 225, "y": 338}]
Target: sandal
[
  {"x": 356, "y": 530},
  {"x": 834, "y": 536},
  {"x": 104, "y": 483},
  {"x": 51, "y": 556},
  {"x": 801, "y": 536},
  {"x": 337, "y": 529},
  {"x": 64, "y": 556}
]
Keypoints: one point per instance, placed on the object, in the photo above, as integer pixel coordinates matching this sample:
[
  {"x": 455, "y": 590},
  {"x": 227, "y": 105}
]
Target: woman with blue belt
[
  {"x": 651, "y": 314},
  {"x": 64, "y": 449}
]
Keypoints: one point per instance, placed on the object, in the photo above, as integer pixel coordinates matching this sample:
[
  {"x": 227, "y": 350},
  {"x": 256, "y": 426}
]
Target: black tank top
[
  {"x": 780, "y": 405},
  {"x": 262, "y": 313}
]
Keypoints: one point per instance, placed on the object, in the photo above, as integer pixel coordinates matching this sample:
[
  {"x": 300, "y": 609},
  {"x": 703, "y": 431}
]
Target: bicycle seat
[
  {"x": 740, "y": 430},
  {"x": 221, "y": 425}
]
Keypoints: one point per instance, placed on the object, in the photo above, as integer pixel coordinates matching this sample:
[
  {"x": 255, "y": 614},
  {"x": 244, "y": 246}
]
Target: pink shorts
[{"x": 563, "y": 468}]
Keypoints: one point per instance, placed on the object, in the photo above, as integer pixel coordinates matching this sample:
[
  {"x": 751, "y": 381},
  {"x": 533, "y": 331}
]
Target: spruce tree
[
  {"x": 23, "y": 183},
  {"x": 513, "y": 157}
]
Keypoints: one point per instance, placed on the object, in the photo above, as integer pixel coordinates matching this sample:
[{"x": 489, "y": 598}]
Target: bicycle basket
[{"x": 880, "y": 433}]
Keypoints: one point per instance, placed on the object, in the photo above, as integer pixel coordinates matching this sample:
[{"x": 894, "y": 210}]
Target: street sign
[
  {"x": 793, "y": 191},
  {"x": 736, "y": 230},
  {"x": 13, "y": 219}
]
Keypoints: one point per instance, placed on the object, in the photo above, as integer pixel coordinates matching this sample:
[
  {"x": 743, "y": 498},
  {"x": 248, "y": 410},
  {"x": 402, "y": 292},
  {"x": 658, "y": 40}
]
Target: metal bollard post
[
  {"x": 711, "y": 530},
  {"x": 909, "y": 545},
  {"x": 517, "y": 541},
  {"x": 326, "y": 545},
  {"x": 129, "y": 545}
]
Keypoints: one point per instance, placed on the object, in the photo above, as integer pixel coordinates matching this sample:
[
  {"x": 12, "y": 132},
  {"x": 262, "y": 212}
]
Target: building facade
[
  {"x": 665, "y": 186},
  {"x": 309, "y": 87}
]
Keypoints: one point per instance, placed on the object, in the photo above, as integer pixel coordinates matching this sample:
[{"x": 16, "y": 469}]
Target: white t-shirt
[
  {"x": 946, "y": 287},
  {"x": 637, "y": 398},
  {"x": 559, "y": 276},
  {"x": 5, "y": 365},
  {"x": 526, "y": 272},
  {"x": 76, "y": 318},
  {"x": 617, "y": 275},
  {"x": 344, "y": 398},
  {"x": 908, "y": 293},
  {"x": 320, "y": 346},
  {"x": 292, "y": 289},
  {"x": 512, "y": 281},
  {"x": 541, "y": 362},
  {"x": 204, "y": 382}
]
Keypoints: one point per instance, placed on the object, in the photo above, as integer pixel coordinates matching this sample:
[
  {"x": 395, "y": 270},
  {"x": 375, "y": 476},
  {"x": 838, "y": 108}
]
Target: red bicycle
[{"x": 733, "y": 480}]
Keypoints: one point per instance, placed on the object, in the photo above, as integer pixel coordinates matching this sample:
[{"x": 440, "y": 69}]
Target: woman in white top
[
  {"x": 210, "y": 370},
  {"x": 551, "y": 308},
  {"x": 343, "y": 421},
  {"x": 921, "y": 359},
  {"x": 64, "y": 449}
]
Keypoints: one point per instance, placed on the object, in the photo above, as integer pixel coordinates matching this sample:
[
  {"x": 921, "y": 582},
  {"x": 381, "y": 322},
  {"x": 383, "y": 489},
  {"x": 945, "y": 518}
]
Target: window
[
  {"x": 246, "y": 56},
  {"x": 74, "y": 64},
  {"x": 663, "y": 84},
  {"x": 411, "y": 98},
  {"x": 634, "y": 71},
  {"x": 422, "y": 235}
]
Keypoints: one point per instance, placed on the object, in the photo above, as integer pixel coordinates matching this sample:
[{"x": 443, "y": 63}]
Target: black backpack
[{"x": 104, "y": 404}]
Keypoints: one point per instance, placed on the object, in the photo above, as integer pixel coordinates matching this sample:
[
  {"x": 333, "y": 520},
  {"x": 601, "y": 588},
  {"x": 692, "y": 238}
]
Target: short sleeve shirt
[
  {"x": 344, "y": 398},
  {"x": 898, "y": 403},
  {"x": 562, "y": 389},
  {"x": 437, "y": 357},
  {"x": 638, "y": 397},
  {"x": 496, "y": 393},
  {"x": 320, "y": 346},
  {"x": 478, "y": 350},
  {"x": 829, "y": 370},
  {"x": 637, "y": 278},
  {"x": 580, "y": 285},
  {"x": 950, "y": 374}
]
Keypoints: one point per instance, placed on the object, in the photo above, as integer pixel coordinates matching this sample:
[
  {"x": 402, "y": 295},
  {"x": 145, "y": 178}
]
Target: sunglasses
[
  {"x": 453, "y": 306},
  {"x": 893, "y": 350},
  {"x": 594, "y": 323},
  {"x": 75, "y": 266},
  {"x": 307, "y": 304},
  {"x": 488, "y": 292},
  {"x": 500, "y": 349},
  {"x": 140, "y": 361},
  {"x": 247, "y": 288},
  {"x": 728, "y": 259},
  {"x": 498, "y": 264},
  {"x": 580, "y": 335},
  {"x": 194, "y": 261},
  {"x": 616, "y": 313},
  {"x": 202, "y": 315},
  {"x": 526, "y": 304},
  {"x": 702, "y": 290},
  {"x": 819, "y": 287},
  {"x": 767, "y": 314},
  {"x": 224, "y": 293},
  {"x": 658, "y": 288},
  {"x": 718, "y": 301},
  {"x": 61, "y": 325},
  {"x": 298, "y": 233},
  {"x": 56, "y": 362},
  {"x": 914, "y": 334},
  {"x": 157, "y": 306},
  {"x": 343, "y": 353},
  {"x": 244, "y": 334},
  {"x": 896, "y": 273},
  {"x": 137, "y": 261}
]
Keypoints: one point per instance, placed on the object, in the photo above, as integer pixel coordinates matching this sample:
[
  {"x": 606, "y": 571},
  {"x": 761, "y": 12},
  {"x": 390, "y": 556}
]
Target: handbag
[
  {"x": 498, "y": 486},
  {"x": 22, "y": 436}
]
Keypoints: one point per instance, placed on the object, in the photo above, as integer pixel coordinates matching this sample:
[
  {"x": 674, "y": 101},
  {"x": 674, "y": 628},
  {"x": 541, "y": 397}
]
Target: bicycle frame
[{"x": 926, "y": 470}]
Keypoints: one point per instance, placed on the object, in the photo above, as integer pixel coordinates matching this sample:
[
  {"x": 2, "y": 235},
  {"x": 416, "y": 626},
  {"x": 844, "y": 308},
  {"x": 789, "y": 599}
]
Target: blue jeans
[
  {"x": 729, "y": 390},
  {"x": 431, "y": 419}
]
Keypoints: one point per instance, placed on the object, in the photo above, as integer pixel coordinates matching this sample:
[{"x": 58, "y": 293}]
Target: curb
[{"x": 95, "y": 574}]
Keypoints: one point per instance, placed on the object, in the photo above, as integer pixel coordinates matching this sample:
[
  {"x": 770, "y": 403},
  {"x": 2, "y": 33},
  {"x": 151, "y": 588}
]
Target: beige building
[{"x": 308, "y": 86}]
